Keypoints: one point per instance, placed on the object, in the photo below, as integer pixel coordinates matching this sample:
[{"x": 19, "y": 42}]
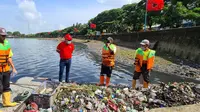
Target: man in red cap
[{"x": 65, "y": 49}]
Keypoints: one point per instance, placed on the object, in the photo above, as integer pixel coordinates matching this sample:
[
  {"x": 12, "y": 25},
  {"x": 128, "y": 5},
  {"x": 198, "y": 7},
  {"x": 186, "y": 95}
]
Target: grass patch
[
  {"x": 126, "y": 53},
  {"x": 161, "y": 61}
]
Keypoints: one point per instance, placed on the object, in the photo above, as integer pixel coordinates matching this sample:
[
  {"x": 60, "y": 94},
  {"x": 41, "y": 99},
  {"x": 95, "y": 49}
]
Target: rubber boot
[
  {"x": 101, "y": 83},
  {"x": 107, "y": 81},
  {"x": 133, "y": 84},
  {"x": 145, "y": 84},
  {"x": 6, "y": 100}
]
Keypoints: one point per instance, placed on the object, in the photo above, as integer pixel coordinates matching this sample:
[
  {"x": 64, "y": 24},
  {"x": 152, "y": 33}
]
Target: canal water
[{"x": 38, "y": 58}]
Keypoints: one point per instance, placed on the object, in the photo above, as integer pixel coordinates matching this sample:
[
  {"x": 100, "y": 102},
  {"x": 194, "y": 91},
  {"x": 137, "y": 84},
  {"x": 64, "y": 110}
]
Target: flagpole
[{"x": 145, "y": 21}]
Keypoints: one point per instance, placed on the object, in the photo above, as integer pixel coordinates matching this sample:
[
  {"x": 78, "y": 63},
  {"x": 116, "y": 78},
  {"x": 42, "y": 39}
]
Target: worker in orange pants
[
  {"x": 108, "y": 61},
  {"x": 144, "y": 61}
]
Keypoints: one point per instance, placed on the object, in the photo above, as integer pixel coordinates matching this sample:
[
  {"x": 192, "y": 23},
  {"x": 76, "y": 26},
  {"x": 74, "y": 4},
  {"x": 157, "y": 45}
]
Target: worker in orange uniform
[
  {"x": 108, "y": 61},
  {"x": 5, "y": 63},
  {"x": 144, "y": 61}
]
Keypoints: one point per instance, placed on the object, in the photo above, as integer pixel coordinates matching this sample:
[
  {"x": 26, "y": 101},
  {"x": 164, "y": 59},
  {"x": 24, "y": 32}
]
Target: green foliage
[
  {"x": 22, "y": 35},
  {"x": 9, "y": 33},
  {"x": 130, "y": 18},
  {"x": 16, "y": 33}
]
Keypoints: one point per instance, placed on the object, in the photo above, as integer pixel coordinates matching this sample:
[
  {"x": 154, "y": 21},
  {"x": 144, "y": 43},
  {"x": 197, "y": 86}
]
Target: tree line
[{"x": 130, "y": 18}]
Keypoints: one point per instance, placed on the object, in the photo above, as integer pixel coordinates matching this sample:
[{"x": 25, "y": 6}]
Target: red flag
[
  {"x": 92, "y": 25},
  {"x": 155, "y": 5}
]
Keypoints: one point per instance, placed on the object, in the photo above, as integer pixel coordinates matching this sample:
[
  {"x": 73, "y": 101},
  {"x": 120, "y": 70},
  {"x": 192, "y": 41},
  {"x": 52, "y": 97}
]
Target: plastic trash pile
[
  {"x": 83, "y": 98},
  {"x": 33, "y": 107},
  {"x": 46, "y": 87}
]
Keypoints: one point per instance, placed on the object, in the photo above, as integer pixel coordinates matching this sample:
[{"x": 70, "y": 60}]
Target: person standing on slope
[
  {"x": 108, "y": 61},
  {"x": 144, "y": 61},
  {"x": 5, "y": 63}
]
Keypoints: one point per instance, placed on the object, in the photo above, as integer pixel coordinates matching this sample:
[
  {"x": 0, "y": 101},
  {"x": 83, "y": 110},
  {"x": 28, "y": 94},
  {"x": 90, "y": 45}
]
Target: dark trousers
[
  {"x": 145, "y": 73},
  {"x": 4, "y": 82},
  {"x": 106, "y": 70},
  {"x": 64, "y": 63}
]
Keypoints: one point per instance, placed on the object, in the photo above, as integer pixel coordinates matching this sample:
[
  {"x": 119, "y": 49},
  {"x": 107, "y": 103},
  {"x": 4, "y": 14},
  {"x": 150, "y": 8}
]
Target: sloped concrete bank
[{"x": 162, "y": 64}]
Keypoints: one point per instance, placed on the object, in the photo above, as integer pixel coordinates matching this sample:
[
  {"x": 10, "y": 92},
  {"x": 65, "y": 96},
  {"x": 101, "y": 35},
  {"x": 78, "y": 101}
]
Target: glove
[{"x": 136, "y": 61}]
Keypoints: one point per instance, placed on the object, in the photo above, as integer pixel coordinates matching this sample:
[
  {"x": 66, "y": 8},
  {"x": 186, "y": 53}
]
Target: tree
[
  {"x": 16, "y": 33},
  {"x": 55, "y": 34},
  {"x": 107, "y": 18},
  {"x": 194, "y": 15},
  {"x": 23, "y": 35},
  {"x": 83, "y": 29},
  {"x": 173, "y": 15},
  {"x": 9, "y": 33},
  {"x": 133, "y": 15}
]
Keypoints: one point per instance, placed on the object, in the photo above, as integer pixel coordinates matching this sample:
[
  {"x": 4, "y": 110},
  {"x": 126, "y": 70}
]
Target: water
[{"x": 38, "y": 58}]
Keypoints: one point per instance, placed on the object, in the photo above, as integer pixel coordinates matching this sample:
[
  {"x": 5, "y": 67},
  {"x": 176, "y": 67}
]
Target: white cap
[
  {"x": 3, "y": 31},
  {"x": 110, "y": 39},
  {"x": 144, "y": 42}
]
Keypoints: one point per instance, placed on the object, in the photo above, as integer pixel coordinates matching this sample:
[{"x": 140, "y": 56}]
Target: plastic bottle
[{"x": 13, "y": 74}]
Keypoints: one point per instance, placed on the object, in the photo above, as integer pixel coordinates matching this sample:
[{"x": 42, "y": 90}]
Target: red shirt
[{"x": 66, "y": 50}]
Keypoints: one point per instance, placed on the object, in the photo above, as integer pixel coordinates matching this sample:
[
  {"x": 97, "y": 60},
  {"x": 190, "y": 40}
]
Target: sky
[{"x": 32, "y": 16}]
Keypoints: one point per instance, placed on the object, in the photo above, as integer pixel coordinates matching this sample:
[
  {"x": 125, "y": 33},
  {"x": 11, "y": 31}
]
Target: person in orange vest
[
  {"x": 108, "y": 61},
  {"x": 144, "y": 61},
  {"x": 5, "y": 63}
]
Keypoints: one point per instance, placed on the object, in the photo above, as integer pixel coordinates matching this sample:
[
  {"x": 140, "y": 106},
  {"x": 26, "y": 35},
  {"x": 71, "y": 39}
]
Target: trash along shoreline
[
  {"x": 120, "y": 98},
  {"x": 52, "y": 96}
]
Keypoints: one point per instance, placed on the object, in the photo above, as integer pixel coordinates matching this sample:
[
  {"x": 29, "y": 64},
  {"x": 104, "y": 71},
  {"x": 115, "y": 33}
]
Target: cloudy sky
[{"x": 31, "y": 16}]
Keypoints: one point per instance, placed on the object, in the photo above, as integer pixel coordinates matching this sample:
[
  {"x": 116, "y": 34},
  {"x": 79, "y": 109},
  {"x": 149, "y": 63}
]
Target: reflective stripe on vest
[
  {"x": 146, "y": 53},
  {"x": 4, "y": 55},
  {"x": 108, "y": 59},
  {"x": 139, "y": 58}
]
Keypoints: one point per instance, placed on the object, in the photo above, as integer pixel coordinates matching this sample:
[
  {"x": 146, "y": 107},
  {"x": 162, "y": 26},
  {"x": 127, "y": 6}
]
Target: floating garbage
[{"x": 92, "y": 98}]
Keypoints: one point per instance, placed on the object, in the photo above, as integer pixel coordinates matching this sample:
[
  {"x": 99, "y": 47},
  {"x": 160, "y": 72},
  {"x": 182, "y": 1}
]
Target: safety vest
[
  {"x": 108, "y": 59},
  {"x": 139, "y": 61},
  {"x": 4, "y": 55}
]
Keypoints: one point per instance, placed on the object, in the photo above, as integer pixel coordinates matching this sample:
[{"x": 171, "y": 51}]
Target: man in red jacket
[{"x": 65, "y": 49}]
